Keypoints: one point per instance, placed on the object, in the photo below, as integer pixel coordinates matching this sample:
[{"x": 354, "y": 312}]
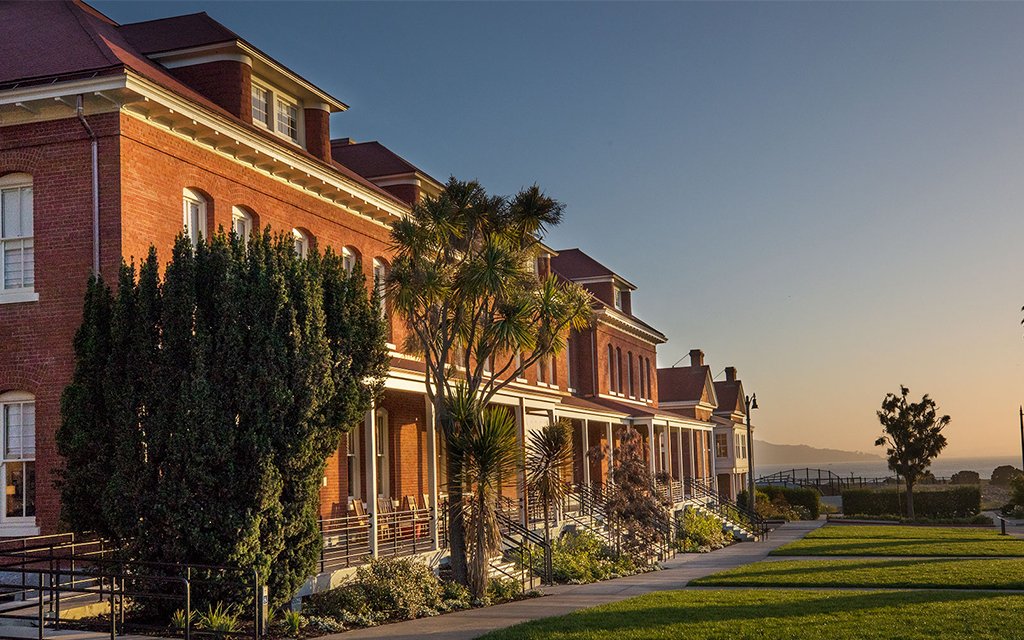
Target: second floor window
[
  {"x": 301, "y": 241},
  {"x": 241, "y": 223},
  {"x": 721, "y": 445},
  {"x": 276, "y": 111},
  {"x": 17, "y": 253},
  {"x": 287, "y": 119},
  {"x": 261, "y": 106}
]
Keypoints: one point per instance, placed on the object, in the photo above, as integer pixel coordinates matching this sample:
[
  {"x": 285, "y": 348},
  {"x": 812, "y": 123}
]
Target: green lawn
[
  {"x": 856, "y": 540},
  {"x": 993, "y": 573},
  {"x": 789, "y": 614}
]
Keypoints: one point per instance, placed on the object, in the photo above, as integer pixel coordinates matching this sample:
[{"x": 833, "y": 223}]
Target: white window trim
[
  {"x": 194, "y": 197},
  {"x": 380, "y": 285},
  {"x": 240, "y": 213},
  {"x": 381, "y": 424},
  {"x": 18, "y": 294},
  {"x": 302, "y": 243},
  {"x": 273, "y": 95},
  {"x": 348, "y": 256}
]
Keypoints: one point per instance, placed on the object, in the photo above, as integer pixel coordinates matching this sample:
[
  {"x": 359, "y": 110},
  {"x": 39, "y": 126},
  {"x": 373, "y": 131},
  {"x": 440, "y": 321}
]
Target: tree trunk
[
  {"x": 456, "y": 522},
  {"x": 547, "y": 525},
  {"x": 910, "y": 499}
]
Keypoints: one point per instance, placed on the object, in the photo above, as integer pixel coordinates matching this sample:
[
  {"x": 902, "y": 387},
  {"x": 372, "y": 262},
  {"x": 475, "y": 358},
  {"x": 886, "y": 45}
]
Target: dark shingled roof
[
  {"x": 728, "y": 397},
  {"x": 176, "y": 32},
  {"x": 370, "y": 159},
  {"x": 682, "y": 384},
  {"x": 573, "y": 264}
]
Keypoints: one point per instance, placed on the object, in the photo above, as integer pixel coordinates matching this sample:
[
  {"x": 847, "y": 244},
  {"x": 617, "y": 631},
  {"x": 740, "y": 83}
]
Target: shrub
[
  {"x": 503, "y": 590},
  {"x": 700, "y": 532},
  {"x": 454, "y": 596},
  {"x": 965, "y": 477},
  {"x": 1017, "y": 490},
  {"x": 956, "y": 502},
  {"x": 786, "y": 503},
  {"x": 293, "y": 623},
  {"x": 179, "y": 620},
  {"x": 579, "y": 557},
  {"x": 384, "y": 590},
  {"x": 219, "y": 619},
  {"x": 322, "y": 625},
  {"x": 1003, "y": 475}
]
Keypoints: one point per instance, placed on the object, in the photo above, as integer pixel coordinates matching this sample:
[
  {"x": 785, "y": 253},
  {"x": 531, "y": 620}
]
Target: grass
[
  {"x": 784, "y": 613},
  {"x": 993, "y": 573},
  {"x": 856, "y": 540}
]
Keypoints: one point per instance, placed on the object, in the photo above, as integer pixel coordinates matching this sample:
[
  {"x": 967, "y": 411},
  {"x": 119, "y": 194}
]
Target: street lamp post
[
  {"x": 751, "y": 403},
  {"x": 1022, "y": 433}
]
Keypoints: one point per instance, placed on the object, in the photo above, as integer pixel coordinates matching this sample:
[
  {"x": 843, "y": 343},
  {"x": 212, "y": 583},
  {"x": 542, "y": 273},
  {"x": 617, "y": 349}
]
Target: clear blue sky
[{"x": 827, "y": 196}]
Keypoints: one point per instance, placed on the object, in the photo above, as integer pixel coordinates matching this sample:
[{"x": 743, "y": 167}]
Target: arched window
[
  {"x": 17, "y": 254},
  {"x": 18, "y": 468},
  {"x": 302, "y": 241},
  {"x": 380, "y": 282},
  {"x": 650, "y": 396},
  {"x": 629, "y": 367},
  {"x": 241, "y": 223},
  {"x": 618, "y": 368},
  {"x": 194, "y": 207},
  {"x": 640, "y": 378},
  {"x": 349, "y": 258},
  {"x": 611, "y": 369}
]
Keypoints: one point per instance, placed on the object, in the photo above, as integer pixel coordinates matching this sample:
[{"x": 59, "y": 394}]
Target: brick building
[{"x": 115, "y": 137}]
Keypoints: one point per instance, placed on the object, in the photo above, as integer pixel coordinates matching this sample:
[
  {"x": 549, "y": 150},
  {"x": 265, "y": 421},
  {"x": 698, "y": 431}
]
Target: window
[
  {"x": 287, "y": 119},
  {"x": 241, "y": 223},
  {"x": 520, "y": 375},
  {"x": 640, "y": 376},
  {"x": 568, "y": 365},
  {"x": 18, "y": 425},
  {"x": 721, "y": 445},
  {"x": 260, "y": 105},
  {"x": 352, "y": 458},
  {"x": 618, "y": 299},
  {"x": 349, "y": 257},
  {"x": 194, "y": 216},
  {"x": 301, "y": 241},
  {"x": 650, "y": 395},
  {"x": 380, "y": 283},
  {"x": 542, "y": 373},
  {"x": 629, "y": 366},
  {"x": 381, "y": 451},
  {"x": 553, "y": 379},
  {"x": 611, "y": 369},
  {"x": 618, "y": 370},
  {"x": 17, "y": 255}
]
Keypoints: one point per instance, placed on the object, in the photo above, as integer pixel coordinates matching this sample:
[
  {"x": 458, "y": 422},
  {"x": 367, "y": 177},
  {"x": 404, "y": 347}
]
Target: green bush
[
  {"x": 503, "y": 590},
  {"x": 787, "y": 503},
  {"x": 965, "y": 477},
  {"x": 700, "y": 532},
  {"x": 978, "y": 519},
  {"x": 386, "y": 590},
  {"x": 955, "y": 502},
  {"x": 1017, "y": 490},
  {"x": 579, "y": 557},
  {"x": 1003, "y": 475}
]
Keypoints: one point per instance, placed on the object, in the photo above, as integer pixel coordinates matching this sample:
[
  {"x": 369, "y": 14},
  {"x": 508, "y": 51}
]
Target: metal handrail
[{"x": 728, "y": 510}]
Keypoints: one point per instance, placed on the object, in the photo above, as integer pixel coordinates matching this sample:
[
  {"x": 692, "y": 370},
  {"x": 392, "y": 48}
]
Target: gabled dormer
[
  {"x": 385, "y": 168},
  {"x": 731, "y": 403},
  {"x": 239, "y": 78},
  {"x": 689, "y": 390}
]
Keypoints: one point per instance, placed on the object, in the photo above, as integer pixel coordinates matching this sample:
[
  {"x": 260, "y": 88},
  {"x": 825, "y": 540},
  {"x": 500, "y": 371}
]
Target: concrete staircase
[{"x": 734, "y": 529}]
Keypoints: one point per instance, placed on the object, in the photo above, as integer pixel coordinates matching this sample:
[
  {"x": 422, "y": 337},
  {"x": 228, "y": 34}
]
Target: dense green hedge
[
  {"x": 955, "y": 502},
  {"x": 809, "y": 499}
]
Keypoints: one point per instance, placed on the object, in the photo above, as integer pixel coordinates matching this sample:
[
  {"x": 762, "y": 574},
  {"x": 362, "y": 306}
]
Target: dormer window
[
  {"x": 276, "y": 111},
  {"x": 618, "y": 299}
]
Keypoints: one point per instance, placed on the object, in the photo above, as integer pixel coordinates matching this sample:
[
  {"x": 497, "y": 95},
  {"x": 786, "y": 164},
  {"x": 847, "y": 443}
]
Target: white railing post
[
  {"x": 650, "y": 445},
  {"x": 610, "y": 434},
  {"x": 371, "y": 480}
]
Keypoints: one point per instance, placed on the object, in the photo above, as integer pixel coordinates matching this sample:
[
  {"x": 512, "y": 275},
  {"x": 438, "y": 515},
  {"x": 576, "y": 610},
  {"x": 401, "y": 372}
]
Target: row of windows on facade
[
  {"x": 194, "y": 223},
  {"x": 739, "y": 445},
  {"x": 635, "y": 381}
]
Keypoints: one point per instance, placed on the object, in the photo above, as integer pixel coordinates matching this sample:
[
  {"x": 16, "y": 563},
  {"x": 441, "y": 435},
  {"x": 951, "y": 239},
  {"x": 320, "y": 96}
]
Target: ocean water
[{"x": 941, "y": 467}]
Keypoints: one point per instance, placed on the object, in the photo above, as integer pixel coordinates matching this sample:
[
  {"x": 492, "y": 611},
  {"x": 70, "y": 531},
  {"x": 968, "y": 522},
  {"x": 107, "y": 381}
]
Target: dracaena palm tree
[
  {"x": 476, "y": 311},
  {"x": 548, "y": 455},
  {"x": 487, "y": 445}
]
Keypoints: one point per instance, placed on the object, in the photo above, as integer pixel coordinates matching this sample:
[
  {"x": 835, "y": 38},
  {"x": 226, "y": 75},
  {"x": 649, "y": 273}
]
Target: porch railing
[
  {"x": 399, "y": 533},
  {"x": 726, "y": 509}
]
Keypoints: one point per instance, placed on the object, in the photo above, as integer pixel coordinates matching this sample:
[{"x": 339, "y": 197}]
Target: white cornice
[{"x": 620, "y": 320}]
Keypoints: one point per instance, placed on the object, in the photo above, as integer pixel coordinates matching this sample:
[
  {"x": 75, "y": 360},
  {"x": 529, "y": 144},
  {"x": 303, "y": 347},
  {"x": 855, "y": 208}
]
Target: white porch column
[
  {"x": 693, "y": 454},
  {"x": 432, "y": 470},
  {"x": 679, "y": 448},
  {"x": 650, "y": 446},
  {"x": 611, "y": 452},
  {"x": 370, "y": 424},
  {"x": 520, "y": 411},
  {"x": 586, "y": 448}
]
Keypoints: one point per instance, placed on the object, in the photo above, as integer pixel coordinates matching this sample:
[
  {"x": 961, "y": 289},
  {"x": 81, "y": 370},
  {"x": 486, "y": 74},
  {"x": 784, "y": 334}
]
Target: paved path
[{"x": 568, "y": 598}]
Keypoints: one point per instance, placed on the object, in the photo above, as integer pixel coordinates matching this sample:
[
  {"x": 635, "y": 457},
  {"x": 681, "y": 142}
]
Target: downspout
[{"x": 95, "y": 189}]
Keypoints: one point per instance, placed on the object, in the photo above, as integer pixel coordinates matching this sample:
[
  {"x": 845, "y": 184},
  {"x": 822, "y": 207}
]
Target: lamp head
[{"x": 752, "y": 401}]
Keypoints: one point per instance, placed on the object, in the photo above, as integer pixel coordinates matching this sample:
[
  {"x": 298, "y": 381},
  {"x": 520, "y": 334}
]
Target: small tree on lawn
[
  {"x": 912, "y": 435},
  {"x": 548, "y": 455},
  {"x": 635, "y": 507},
  {"x": 476, "y": 310}
]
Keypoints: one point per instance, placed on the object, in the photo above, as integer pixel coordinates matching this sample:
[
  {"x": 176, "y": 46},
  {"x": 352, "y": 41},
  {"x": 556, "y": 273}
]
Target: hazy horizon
[{"x": 826, "y": 196}]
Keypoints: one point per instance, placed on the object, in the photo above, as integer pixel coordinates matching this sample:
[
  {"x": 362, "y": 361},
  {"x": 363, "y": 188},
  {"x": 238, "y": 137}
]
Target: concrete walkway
[{"x": 563, "y": 599}]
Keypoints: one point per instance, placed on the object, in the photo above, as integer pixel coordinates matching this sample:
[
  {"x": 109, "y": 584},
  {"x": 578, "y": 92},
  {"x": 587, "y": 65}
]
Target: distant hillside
[{"x": 768, "y": 453}]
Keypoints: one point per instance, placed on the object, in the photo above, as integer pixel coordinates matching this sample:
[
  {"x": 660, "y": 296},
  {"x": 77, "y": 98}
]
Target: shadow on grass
[{"x": 649, "y": 615}]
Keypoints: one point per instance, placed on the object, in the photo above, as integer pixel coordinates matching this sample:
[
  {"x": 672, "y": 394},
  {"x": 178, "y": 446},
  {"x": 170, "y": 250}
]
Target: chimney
[
  {"x": 696, "y": 358},
  {"x": 730, "y": 374}
]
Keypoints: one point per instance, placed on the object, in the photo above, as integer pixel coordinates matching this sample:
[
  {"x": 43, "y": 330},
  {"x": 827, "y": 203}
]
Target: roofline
[
  {"x": 650, "y": 334},
  {"x": 614, "y": 276}
]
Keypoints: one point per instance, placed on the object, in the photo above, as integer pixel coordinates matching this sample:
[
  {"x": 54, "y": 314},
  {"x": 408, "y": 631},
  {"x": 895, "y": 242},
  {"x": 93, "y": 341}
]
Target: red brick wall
[
  {"x": 36, "y": 337},
  {"x": 618, "y": 339},
  {"x": 227, "y": 83},
  {"x": 318, "y": 133}
]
